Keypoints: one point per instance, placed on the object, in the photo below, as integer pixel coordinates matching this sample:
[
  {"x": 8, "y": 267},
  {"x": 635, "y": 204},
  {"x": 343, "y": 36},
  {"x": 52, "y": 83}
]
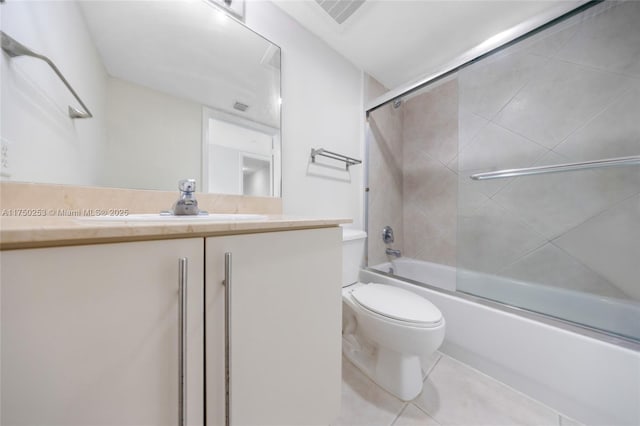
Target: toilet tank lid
[
  {"x": 397, "y": 303},
  {"x": 349, "y": 234}
]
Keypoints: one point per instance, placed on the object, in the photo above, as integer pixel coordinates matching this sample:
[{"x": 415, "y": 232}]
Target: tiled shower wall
[
  {"x": 411, "y": 186},
  {"x": 430, "y": 124},
  {"x": 570, "y": 93}
]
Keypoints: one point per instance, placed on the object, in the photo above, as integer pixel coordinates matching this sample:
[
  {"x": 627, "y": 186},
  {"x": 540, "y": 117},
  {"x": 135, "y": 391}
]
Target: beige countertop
[{"x": 49, "y": 231}]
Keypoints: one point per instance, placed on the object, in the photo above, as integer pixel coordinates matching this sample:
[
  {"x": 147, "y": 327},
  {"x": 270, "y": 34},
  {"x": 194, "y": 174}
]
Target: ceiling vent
[
  {"x": 340, "y": 10},
  {"x": 240, "y": 106}
]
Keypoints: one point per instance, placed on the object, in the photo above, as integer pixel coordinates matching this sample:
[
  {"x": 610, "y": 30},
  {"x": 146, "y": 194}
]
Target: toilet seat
[{"x": 397, "y": 304}]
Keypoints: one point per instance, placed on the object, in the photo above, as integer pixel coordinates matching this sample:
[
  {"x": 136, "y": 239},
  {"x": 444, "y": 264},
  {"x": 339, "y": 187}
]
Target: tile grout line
[
  {"x": 435, "y": 364},
  {"x": 620, "y": 97},
  {"x": 404, "y": 407},
  {"x": 426, "y": 375},
  {"x": 598, "y": 214}
]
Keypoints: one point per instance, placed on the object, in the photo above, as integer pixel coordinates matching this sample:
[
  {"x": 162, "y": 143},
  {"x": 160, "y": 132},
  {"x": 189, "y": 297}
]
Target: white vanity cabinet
[
  {"x": 90, "y": 334},
  {"x": 285, "y": 322}
]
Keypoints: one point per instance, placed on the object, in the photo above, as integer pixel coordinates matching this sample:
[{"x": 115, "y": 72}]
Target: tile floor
[{"x": 453, "y": 394}]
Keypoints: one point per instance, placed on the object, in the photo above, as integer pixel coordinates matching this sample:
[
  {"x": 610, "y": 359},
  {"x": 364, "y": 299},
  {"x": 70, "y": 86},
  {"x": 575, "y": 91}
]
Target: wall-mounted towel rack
[
  {"x": 324, "y": 153},
  {"x": 557, "y": 168},
  {"x": 14, "y": 48}
]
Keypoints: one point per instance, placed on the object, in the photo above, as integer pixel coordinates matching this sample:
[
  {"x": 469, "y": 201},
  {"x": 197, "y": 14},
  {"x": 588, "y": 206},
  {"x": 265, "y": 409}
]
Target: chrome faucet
[
  {"x": 392, "y": 252},
  {"x": 187, "y": 203},
  {"x": 387, "y": 238}
]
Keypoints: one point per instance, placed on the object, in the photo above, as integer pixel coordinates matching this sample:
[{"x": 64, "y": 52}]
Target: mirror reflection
[{"x": 177, "y": 89}]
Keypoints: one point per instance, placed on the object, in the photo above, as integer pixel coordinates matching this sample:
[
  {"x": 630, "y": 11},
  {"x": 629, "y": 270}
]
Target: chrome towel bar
[
  {"x": 14, "y": 48},
  {"x": 324, "y": 153},
  {"x": 633, "y": 160}
]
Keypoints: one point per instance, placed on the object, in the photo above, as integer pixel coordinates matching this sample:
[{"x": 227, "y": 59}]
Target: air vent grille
[
  {"x": 340, "y": 10},
  {"x": 240, "y": 106}
]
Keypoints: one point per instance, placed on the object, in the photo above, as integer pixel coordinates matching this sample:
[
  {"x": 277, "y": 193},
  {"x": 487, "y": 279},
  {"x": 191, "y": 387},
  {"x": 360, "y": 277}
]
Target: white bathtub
[{"x": 593, "y": 381}]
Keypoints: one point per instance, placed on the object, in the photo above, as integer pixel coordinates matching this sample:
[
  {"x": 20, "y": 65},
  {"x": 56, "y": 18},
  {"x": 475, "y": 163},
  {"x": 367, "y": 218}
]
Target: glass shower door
[{"x": 565, "y": 244}]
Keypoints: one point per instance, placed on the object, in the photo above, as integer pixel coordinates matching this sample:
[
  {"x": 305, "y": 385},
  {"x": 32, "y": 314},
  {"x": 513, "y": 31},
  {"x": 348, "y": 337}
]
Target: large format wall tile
[
  {"x": 496, "y": 148},
  {"x": 608, "y": 41},
  {"x": 430, "y": 124},
  {"x": 562, "y": 98},
  {"x": 610, "y": 244},
  {"x": 613, "y": 133},
  {"x": 556, "y": 202},
  {"x": 430, "y": 136},
  {"x": 491, "y": 238},
  {"x": 469, "y": 124},
  {"x": 551, "y": 266},
  {"x": 487, "y": 86}
]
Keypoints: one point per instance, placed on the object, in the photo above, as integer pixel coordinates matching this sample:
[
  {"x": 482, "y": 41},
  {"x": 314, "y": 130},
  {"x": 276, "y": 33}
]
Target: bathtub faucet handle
[{"x": 387, "y": 234}]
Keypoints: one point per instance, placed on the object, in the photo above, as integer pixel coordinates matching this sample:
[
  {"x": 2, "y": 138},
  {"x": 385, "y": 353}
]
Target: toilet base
[{"x": 399, "y": 374}]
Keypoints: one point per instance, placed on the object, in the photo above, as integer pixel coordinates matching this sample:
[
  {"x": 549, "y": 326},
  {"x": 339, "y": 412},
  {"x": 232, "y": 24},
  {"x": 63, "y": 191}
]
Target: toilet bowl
[{"x": 386, "y": 330}]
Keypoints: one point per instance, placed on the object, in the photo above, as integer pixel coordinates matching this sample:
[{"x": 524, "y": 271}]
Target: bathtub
[
  {"x": 595, "y": 381},
  {"x": 596, "y": 311}
]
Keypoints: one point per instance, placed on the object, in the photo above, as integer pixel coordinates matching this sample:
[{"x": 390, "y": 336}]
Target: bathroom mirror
[{"x": 169, "y": 83}]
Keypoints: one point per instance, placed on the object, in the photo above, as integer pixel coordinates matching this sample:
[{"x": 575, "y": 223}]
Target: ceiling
[
  {"x": 398, "y": 41},
  {"x": 195, "y": 51}
]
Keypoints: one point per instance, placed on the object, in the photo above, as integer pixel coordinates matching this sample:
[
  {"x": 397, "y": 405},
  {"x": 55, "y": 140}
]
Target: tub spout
[{"x": 392, "y": 252}]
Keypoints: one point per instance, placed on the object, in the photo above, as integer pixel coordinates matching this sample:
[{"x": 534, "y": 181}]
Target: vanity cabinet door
[
  {"x": 285, "y": 327},
  {"x": 90, "y": 334}
]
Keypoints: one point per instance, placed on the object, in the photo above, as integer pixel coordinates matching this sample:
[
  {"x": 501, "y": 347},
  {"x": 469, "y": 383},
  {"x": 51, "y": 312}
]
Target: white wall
[
  {"x": 322, "y": 107},
  {"x": 224, "y": 176},
  {"x": 154, "y": 139},
  {"x": 44, "y": 144}
]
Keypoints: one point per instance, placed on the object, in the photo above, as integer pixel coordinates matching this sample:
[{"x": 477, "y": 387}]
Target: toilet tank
[{"x": 353, "y": 241}]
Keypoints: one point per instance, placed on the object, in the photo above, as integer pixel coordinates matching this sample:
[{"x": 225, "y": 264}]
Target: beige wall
[
  {"x": 411, "y": 187},
  {"x": 430, "y": 126}
]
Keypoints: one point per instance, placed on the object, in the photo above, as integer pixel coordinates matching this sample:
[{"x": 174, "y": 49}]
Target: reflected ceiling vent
[
  {"x": 240, "y": 106},
  {"x": 340, "y": 10}
]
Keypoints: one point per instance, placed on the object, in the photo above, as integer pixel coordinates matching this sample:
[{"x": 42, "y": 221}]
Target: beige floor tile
[
  {"x": 363, "y": 402},
  {"x": 455, "y": 394},
  {"x": 413, "y": 416}
]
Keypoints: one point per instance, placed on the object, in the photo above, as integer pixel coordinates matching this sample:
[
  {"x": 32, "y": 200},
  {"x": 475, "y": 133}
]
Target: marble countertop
[{"x": 49, "y": 231}]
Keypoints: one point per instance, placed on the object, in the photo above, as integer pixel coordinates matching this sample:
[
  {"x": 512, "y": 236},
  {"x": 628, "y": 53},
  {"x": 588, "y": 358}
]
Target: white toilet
[{"x": 385, "y": 329}]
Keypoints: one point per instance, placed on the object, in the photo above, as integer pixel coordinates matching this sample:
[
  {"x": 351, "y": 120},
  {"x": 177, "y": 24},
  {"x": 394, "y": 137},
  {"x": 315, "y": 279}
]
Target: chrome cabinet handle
[
  {"x": 182, "y": 340},
  {"x": 227, "y": 337}
]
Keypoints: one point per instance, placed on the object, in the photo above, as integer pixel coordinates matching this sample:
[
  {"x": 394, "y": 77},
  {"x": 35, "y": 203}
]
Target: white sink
[{"x": 211, "y": 217}]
